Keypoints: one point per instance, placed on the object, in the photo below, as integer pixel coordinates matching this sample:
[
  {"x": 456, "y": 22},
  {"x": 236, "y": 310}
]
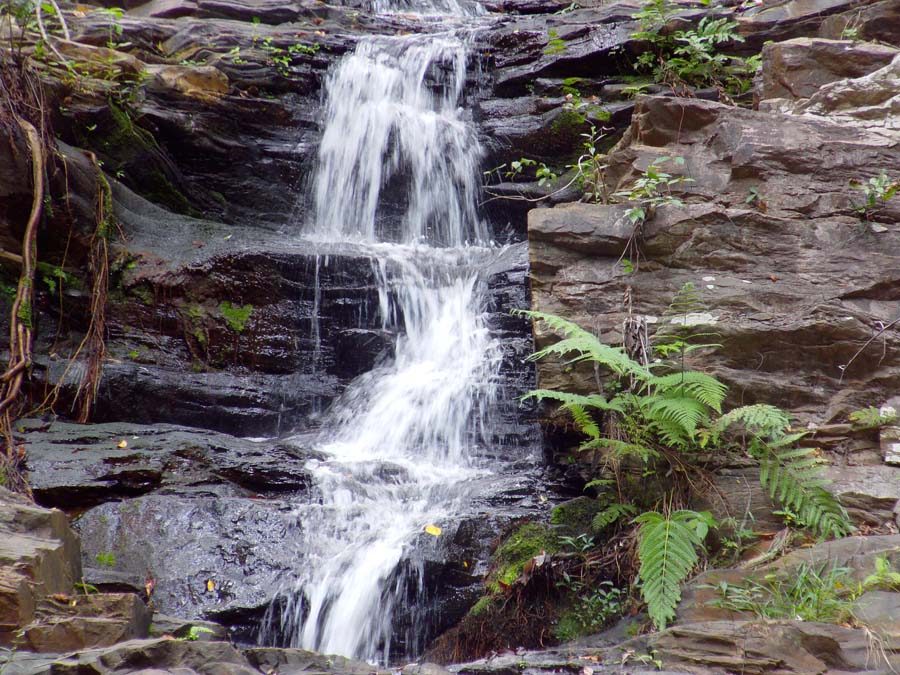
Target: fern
[
  {"x": 611, "y": 514},
  {"x": 705, "y": 388},
  {"x": 620, "y": 449},
  {"x": 872, "y": 417},
  {"x": 585, "y": 345},
  {"x": 667, "y": 551},
  {"x": 577, "y": 405},
  {"x": 793, "y": 478},
  {"x": 761, "y": 418},
  {"x": 685, "y": 412}
]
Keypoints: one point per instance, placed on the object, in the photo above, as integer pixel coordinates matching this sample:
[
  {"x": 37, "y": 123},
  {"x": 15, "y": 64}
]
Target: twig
[{"x": 868, "y": 342}]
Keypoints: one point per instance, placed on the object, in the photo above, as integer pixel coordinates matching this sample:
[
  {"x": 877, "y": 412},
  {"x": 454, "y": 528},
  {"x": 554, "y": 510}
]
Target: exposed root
[
  {"x": 20, "y": 324},
  {"x": 94, "y": 342}
]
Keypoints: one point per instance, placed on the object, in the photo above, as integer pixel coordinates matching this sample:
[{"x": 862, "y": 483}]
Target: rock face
[
  {"x": 222, "y": 324},
  {"x": 39, "y": 611},
  {"x": 797, "y": 277}
]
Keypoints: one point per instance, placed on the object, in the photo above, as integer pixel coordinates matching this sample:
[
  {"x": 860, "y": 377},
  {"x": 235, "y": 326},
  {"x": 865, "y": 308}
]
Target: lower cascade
[{"x": 401, "y": 448}]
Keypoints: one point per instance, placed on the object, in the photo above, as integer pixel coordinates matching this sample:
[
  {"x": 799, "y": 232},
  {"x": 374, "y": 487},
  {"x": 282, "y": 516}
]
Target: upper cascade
[{"x": 393, "y": 118}]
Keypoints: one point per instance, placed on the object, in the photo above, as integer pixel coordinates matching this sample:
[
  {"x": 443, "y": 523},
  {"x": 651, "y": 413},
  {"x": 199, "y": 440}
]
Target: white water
[{"x": 398, "y": 172}]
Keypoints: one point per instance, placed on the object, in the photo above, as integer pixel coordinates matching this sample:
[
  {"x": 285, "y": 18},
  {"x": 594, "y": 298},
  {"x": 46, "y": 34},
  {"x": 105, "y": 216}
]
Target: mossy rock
[
  {"x": 523, "y": 544},
  {"x": 574, "y": 517}
]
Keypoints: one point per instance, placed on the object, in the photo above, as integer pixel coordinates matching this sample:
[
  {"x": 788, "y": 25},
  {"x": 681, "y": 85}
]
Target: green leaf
[{"x": 667, "y": 552}]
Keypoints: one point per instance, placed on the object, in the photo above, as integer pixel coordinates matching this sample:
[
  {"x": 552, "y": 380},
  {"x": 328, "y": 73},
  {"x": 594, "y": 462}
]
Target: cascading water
[{"x": 398, "y": 176}]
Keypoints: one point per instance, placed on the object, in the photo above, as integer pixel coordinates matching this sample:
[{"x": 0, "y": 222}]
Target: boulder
[{"x": 206, "y": 555}]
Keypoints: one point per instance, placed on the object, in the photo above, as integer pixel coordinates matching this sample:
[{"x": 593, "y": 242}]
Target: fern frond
[
  {"x": 612, "y": 513},
  {"x": 872, "y": 417},
  {"x": 760, "y": 418},
  {"x": 686, "y": 412},
  {"x": 793, "y": 478},
  {"x": 667, "y": 551},
  {"x": 705, "y": 388},
  {"x": 585, "y": 344},
  {"x": 577, "y": 405},
  {"x": 621, "y": 449}
]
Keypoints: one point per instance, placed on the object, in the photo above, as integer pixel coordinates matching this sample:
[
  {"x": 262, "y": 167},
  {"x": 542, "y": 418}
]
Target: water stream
[{"x": 398, "y": 176}]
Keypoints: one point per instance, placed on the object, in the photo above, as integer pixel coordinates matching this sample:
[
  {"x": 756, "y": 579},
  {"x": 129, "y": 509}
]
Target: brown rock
[
  {"x": 798, "y": 68},
  {"x": 770, "y": 647},
  {"x": 39, "y": 556},
  {"x": 205, "y": 83}
]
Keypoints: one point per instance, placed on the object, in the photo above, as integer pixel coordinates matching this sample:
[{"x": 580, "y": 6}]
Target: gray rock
[
  {"x": 74, "y": 465},
  {"x": 879, "y": 611},
  {"x": 209, "y": 556}
]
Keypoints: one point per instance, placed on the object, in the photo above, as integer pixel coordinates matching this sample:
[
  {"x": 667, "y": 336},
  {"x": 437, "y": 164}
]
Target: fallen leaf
[
  {"x": 433, "y": 530},
  {"x": 210, "y": 585},
  {"x": 122, "y": 444}
]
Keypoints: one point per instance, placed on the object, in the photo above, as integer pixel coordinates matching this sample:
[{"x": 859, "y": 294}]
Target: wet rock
[
  {"x": 72, "y": 465},
  {"x": 209, "y": 555},
  {"x": 289, "y": 661},
  {"x": 174, "y": 626}
]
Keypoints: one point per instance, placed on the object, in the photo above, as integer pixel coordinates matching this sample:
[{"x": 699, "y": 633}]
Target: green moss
[
  {"x": 24, "y": 314},
  {"x": 143, "y": 293},
  {"x": 235, "y": 316},
  {"x": 484, "y": 603},
  {"x": 574, "y": 516},
  {"x": 160, "y": 190},
  {"x": 568, "y": 122},
  {"x": 516, "y": 550}
]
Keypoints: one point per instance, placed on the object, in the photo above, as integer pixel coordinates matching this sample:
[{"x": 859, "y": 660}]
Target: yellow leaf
[
  {"x": 210, "y": 585},
  {"x": 122, "y": 444},
  {"x": 433, "y": 530}
]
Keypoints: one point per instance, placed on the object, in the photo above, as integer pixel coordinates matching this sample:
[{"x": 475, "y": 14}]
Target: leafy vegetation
[
  {"x": 657, "y": 417},
  {"x": 809, "y": 593},
  {"x": 692, "y": 57},
  {"x": 877, "y": 191},
  {"x": 236, "y": 316}
]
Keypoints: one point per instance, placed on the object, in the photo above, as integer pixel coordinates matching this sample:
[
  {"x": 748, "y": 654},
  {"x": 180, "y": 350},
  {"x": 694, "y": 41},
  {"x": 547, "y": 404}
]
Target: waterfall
[{"x": 397, "y": 175}]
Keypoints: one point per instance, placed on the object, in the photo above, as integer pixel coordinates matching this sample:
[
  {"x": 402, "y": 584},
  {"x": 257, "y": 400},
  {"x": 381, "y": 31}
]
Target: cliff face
[{"x": 204, "y": 118}]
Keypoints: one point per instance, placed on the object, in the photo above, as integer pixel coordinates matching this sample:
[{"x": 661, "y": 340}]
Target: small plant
[
  {"x": 884, "y": 577},
  {"x": 808, "y": 593},
  {"x": 518, "y": 168},
  {"x": 555, "y": 44},
  {"x": 581, "y": 544},
  {"x": 652, "y": 189},
  {"x": 872, "y": 417},
  {"x": 194, "y": 632},
  {"x": 594, "y": 609},
  {"x": 591, "y": 168},
  {"x": 106, "y": 559},
  {"x": 235, "y": 55},
  {"x": 85, "y": 588},
  {"x": 236, "y": 316},
  {"x": 691, "y": 57},
  {"x": 878, "y": 191}
]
